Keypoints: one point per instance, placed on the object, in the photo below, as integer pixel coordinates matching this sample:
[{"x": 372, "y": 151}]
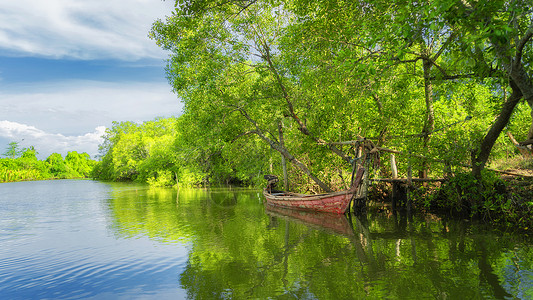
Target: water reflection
[
  {"x": 240, "y": 249},
  {"x": 306, "y": 255},
  {"x": 333, "y": 223},
  {"x": 88, "y": 239}
]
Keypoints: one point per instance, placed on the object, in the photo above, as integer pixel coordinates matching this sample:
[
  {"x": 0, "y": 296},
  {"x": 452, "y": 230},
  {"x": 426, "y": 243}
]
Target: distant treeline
[
  {"x": 22, "y": 165},
  {"x": 154, "y": 152}
]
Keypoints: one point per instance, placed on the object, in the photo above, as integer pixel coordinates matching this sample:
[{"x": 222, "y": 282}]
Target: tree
[
  {"x": 78, "y": 164},
  {"x": 146, "y": 152},
  {"x": 503, "y": 29},
  {"x": 57, "y": 165},
  {"x": 13, "y": 150},
  {"x": 471, "y": 40},
  {"x": 227, "y": 64},
  {"x": 405, "y": 74}
]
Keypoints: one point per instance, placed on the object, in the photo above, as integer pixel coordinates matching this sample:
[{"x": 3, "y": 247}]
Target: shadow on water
[{"x": 380, "y": 244}]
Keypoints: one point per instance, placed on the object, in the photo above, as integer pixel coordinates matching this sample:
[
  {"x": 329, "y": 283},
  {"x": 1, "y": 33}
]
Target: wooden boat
[{"x": 336, "y": 202}]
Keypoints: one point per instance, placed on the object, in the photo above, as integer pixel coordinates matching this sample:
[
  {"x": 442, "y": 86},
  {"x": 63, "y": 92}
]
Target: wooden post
[
  {"x": 362, "y": 192},
  {"x": 366, "y": 180},
  {"x": 394, "y": 170},
  {"x": 393, "y": 166},
  {"x": 409, "y": 185}
]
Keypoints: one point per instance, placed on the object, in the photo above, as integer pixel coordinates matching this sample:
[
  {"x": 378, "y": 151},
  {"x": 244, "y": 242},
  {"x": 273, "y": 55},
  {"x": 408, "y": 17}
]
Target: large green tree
[
  {"x": 460, "y": 41},
  {"x": 152, "y": 152},
  {"x": 399, "y": 72},
  {"x": 497, "y": 35},
  {"x": 229, "y": 68}
]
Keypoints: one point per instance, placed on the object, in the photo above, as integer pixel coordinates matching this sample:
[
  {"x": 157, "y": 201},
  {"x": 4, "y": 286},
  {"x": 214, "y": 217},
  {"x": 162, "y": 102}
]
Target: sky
[{"x": 69, "y": 68}]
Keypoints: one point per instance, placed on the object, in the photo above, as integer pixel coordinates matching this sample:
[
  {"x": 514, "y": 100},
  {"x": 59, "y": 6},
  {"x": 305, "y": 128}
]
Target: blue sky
[{"x": 68, "y": 69}]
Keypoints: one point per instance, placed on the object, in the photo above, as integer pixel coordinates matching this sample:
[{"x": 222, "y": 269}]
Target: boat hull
[
  {"x": 334, "y": 203},
  {"x": 337, "y": 202}
]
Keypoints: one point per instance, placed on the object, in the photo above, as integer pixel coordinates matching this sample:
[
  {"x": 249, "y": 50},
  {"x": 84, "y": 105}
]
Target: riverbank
[
  {"x": 499, "y": 199},
  {"x": 45, "y": 179}
]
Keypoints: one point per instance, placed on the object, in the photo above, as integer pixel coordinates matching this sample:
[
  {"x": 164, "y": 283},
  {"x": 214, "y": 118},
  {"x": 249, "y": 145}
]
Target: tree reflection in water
[{"x": 242, "y": 249}]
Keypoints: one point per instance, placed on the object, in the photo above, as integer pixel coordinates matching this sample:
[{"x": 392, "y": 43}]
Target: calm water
[{"x": 86, "y": 239}]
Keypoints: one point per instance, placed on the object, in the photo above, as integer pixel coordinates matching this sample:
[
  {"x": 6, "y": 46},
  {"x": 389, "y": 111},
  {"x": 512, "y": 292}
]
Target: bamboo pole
[
  {"x": 409, "y": 186},
  {"x": 395, "y": 187}
]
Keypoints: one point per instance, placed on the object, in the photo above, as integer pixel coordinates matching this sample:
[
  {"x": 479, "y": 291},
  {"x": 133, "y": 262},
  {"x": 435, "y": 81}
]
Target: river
[{"x": 72, "y": 239}]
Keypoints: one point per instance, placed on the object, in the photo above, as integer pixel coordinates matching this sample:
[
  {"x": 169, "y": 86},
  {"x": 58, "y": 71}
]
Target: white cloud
[
  {"x": 73, "y": 107},
  {"x": 55, "y": 113},
  {"x": 81, "y": 29},
  {"x": 47, "y": 143}
]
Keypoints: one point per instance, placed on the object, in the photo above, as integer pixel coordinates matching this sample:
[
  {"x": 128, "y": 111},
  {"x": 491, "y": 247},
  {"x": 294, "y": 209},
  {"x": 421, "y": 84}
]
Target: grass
[{"x": 519, "y": 164}]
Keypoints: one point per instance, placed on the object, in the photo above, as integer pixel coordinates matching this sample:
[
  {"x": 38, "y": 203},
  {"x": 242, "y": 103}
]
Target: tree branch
[
  {"x": 520, "y": 46},
  {"x": 448, "y": 41},
  {"x": 243, "y": 134},
  {"x": 283, "y": 151}
]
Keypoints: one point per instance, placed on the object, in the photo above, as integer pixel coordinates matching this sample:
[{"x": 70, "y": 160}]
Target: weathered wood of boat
[{"x": 336, "y": 202}]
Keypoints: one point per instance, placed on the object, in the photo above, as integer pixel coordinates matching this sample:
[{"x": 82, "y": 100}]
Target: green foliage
[
  {"x": 333, "y": 71},
  {"x": 152, "y": 152},
  {"x": 29, "y": 167},
  {"x": 13, "y": 150},
  {"x": 57, "y": 165},
  {"x": 79, "y": 165},
  {"x": 162, "y": 178},
  {"x": 424, "y": 77},
  {"x": 466, "y": 194}
]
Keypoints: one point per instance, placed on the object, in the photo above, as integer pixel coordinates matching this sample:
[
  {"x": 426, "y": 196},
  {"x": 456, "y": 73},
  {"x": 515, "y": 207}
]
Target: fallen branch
[{"x": 524, "y": 150}]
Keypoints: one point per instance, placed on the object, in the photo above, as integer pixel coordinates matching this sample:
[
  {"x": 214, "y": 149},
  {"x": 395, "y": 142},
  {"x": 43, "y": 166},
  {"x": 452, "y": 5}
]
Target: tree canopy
[{"x": 443, "y": 78}]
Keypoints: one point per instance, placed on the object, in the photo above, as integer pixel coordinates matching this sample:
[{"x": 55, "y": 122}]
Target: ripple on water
[{"x": 81, "y": 273}]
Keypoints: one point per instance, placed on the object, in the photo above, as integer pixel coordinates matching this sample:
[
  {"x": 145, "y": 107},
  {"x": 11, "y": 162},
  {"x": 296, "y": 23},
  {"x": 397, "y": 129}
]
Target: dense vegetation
[
  {"x": 270, "y": 81},
  {"x": 439, "y": 78},
  {"x": 154, "y": 152},
  {"x": 23, "y": 164}
]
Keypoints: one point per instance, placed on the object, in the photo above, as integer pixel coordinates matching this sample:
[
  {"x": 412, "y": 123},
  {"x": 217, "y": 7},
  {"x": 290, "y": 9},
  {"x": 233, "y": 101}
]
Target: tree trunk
[
  {"x": 479, "y": 160},
  {"x": 429, "y": 124},
  {"x": 283, "y": 151},
  {"x": 514, "y": 66},
  {"x": 521, "y": 78},
  {"x": 283, "y": 161}
]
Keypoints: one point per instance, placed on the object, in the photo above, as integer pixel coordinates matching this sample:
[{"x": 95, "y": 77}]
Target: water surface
[{"x": 87, "y": 239}]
